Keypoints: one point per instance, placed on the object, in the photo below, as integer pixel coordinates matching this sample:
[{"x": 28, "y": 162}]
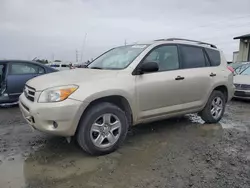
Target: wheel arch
[
  {"x": 118, "y": 100},
  {"x": 220, "y": 87},
  {"x": 223, "y": 89}
]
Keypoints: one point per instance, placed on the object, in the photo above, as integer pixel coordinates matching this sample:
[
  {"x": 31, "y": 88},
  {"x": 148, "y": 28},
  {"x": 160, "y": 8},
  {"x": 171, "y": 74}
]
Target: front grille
[
  {"x": 29, "y": 93},
  {"x": 237, "y": 86},
  {"x": 245, "y": 87},
  {"x": 242, "y": 86}
]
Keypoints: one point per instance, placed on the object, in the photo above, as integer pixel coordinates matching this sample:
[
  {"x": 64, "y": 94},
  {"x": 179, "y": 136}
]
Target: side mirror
[{"x": 148, "y": 67}]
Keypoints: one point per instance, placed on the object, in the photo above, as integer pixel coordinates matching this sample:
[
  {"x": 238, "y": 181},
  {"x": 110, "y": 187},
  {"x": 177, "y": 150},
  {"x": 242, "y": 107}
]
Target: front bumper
[
  {"x": 43, "y": 116},
  {"x": 242, "y": 94}
]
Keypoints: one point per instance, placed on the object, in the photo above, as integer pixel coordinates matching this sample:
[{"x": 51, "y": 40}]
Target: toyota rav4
[{"x": 126, "y": 86}]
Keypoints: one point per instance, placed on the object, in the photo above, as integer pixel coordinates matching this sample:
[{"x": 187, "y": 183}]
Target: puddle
[
  {"x": 58, "y": 164},
  {"x": 55, "y": 163},
  {"x": 211, "y": 127},
  {"x": 227, "y": 124}
]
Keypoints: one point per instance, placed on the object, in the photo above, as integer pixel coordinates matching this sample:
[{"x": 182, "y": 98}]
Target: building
[
  {"x": 235, "y": 56},
  {"x": 244, "y": 48}
]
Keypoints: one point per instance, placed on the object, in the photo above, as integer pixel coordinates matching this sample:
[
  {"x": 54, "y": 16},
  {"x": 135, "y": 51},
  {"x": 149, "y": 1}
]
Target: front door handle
[
  {"x": 212, "y": 74},
  {"x": 179, "y": 78}
]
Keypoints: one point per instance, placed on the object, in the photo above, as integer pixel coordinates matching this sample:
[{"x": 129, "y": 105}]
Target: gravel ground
[{"x": 182, "y": 152}]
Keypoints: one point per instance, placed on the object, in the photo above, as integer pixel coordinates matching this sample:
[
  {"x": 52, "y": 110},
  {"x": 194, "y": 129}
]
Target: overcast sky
[{"x": 56, "y": 28}]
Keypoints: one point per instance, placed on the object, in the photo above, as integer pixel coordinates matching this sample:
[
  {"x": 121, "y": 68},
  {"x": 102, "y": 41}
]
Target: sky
[{"x": 56, "y": 29}]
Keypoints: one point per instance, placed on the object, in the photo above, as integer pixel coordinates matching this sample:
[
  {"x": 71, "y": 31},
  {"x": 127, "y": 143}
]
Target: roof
[
  {"x": 247, "y": 36},
  {"x": 178, "y": 41},
  {"x": 19, "y": 61},
  {"x": 22, "y": 61}
]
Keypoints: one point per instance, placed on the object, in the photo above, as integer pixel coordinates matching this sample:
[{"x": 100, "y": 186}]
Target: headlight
[{"x": 57, "y": 94}]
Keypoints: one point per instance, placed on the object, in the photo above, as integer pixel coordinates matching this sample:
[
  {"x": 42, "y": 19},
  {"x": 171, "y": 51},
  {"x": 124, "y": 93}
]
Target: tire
[
  {"x": 90, "y": 137},
  {"x": 207, "y": 115}
]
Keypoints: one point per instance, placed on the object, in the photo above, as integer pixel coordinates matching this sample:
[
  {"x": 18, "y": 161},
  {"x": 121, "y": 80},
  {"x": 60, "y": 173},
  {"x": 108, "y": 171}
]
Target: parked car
[
  {"x": 242, "y": 83},
  {"x": 240, "y": 67},
  {"x": 60, "y": 67},
  {"x": 238, "y": 64},
  {"x": 126, "y": 86},
  {"x": 13, "y": 76}
]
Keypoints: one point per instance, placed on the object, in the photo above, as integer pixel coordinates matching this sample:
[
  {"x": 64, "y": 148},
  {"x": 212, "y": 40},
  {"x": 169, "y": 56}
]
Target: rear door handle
[
  {"x": 212, "y": 74},
  {"x": 179, "y": 78}
]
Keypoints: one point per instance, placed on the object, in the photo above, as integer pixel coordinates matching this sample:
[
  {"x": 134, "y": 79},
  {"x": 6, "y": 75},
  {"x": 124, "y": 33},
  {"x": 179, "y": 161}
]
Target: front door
[
  {"x": 160, "y": 92},
  {"x": 18, "y": 75},
  {"x": 2, "y": 78}
]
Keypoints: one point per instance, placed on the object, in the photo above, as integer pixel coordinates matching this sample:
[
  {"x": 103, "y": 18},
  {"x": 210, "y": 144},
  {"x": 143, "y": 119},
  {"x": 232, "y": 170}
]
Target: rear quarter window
[{"x": 214, "y": 57}]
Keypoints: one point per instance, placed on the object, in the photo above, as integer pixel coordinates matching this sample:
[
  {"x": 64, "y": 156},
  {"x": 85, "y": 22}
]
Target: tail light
[{"x": 230, "y": 68}]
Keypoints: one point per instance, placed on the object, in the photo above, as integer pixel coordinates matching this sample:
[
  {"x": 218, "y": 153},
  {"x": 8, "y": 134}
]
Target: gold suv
[{"x": 129, "y": 85}]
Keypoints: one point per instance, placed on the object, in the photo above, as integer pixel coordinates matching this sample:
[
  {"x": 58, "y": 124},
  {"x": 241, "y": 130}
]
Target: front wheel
[
  {"x": 215, "y": 107},
  {"x": 102, "y": 129}
]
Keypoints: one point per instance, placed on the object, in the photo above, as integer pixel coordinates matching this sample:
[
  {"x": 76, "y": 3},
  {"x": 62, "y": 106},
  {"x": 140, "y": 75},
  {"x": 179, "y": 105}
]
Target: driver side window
[{"x": 166, "y": 57}]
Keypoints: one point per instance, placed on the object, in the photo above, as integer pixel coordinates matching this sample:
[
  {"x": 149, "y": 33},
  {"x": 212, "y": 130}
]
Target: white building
[{"x": 244, "y": 48}]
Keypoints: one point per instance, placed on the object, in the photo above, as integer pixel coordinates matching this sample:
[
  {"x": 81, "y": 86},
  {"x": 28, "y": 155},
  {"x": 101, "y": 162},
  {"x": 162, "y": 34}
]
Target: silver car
[{"x": 242, "y": 82}]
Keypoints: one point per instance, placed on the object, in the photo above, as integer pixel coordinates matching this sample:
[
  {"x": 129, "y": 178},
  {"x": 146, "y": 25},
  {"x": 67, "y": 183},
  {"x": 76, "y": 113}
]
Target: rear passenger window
[
  {"x": 192, "y": 57},
  {"x": 214, "y": 56},
  {"x": 25, "y": 68}
]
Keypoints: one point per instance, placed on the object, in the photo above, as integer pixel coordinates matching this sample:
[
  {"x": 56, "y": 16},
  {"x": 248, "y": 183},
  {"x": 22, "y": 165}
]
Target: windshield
[
  {"x": 117, "y": 58},
  {"x": 246, "y": 71},
  {"x": 240, "y": 68}
]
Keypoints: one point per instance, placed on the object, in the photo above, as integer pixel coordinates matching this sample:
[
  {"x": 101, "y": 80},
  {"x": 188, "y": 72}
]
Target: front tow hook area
[{"x": 30, "y": 119}]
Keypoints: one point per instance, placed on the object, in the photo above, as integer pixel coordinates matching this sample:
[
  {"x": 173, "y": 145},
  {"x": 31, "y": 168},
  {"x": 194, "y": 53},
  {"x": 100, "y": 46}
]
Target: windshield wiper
[{"x": 95, "y": 67}]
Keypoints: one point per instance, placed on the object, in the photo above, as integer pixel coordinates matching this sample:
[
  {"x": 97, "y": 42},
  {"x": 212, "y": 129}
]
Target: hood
[
  {"x": 242, "y": 79},
  {"x": 75, "y": 76}
]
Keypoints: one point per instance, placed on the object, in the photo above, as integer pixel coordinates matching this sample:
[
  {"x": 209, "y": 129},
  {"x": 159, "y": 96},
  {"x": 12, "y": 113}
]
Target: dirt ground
[{"x": 181, "y": 152}]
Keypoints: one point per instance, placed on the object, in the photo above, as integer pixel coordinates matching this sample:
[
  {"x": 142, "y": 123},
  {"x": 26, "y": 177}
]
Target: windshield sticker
[{"x": 139, "y": 46}]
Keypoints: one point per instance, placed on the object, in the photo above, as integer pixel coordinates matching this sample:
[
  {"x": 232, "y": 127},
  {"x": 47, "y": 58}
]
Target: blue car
[{"x": 13, "y": 76}]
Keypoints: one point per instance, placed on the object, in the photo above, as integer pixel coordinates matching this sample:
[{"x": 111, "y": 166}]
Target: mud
[{"x": 180, "y": 152}]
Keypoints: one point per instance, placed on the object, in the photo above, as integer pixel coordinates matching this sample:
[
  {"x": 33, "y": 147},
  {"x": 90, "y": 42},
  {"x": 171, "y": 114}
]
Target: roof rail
[{"x": 195, "y": 41}]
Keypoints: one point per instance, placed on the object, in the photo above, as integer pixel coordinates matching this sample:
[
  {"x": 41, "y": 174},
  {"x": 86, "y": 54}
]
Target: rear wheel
[
  {"x": 215, "y": 107},
  {"x": 102, "y": 129}
]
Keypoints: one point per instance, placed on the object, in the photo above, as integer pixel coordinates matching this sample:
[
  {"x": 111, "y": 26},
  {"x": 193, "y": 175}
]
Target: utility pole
[
  {"x": 76, "y": 56},
  {"x": 83, "y": 45},
  {"x": 52, "y": 57}
]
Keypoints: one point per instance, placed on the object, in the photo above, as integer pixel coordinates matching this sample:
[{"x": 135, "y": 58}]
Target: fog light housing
[{"x": 55, "y": 125}]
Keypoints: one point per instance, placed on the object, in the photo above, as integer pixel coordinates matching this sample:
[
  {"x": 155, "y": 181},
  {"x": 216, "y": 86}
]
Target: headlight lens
[{"x": 57, "y": 94}]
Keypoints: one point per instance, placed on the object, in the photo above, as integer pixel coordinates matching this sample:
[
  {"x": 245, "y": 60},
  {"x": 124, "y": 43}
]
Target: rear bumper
[{"x": 43, "y": 116}]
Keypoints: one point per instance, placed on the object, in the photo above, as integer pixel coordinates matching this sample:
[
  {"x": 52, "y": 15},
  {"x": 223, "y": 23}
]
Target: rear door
[
  {"x": 196, "y": 72},
  {"x": 18, "y": 74}
]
